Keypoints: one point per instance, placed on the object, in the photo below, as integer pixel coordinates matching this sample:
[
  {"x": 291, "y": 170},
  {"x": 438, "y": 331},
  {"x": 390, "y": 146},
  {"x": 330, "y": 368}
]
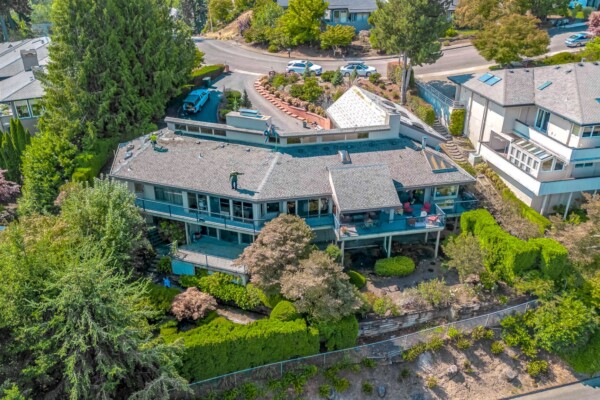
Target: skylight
[
  {"x": 493, "y": 80},
  {"x": 485, "y": 77},
  {"x": 544, "y": 85}
]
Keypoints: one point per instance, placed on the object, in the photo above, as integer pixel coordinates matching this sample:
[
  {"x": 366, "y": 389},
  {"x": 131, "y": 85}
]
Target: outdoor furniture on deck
[
  {"x": 427, "y": 207},
  {"x": 407, "y": 208}
]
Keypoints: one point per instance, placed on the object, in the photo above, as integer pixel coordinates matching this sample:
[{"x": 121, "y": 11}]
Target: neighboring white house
[{"x": 539, "y": 128}]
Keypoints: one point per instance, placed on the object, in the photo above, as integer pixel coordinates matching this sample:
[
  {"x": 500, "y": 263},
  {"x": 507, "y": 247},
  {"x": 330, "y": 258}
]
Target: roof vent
[
  {"x": 595, "y": 63},
  {"x": 526, "y": 70},
  {"x": 128, "y": 155},
  {"x": 130, "y": 147},
  {"x": 568, "y": 71},
  {"x": 344, "y": 157},
  {"x": 511, "y": 71},
  {"x": 581, "y": 64},
  {"x": 557, "y": 67},
  {"x": 544, "y": 85}
]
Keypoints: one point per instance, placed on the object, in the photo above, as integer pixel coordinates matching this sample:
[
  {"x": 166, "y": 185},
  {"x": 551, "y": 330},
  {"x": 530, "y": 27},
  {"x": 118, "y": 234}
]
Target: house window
[
  {"x": 168, "y": 195},
  {"x": 246, "y": 239},
  {"x": 547, "y": 165},
  {"x": 308, "y": 139},
  {"x": 359, "y": 17},
  {"x": 22, "y": 109},
  {"x": 575, "y": 130},
  {"x": 36, "y": 107},
  {"x": 242, "y": 210},
  {"x": 584, "y": 165},
  {"x": 591, "y": 131},
  {"x": 192, "y": 201},
  {"x": 180, "y": 127},
  {"x": 343, "y": 16},
  {"x": 138, "y": 187},
  {"x": 446, "y": 191},
  {"x": 559, "y": 166},
  {"x": 542, "y": 119},
  {"x": 303, "y": 208},
  {"x": 293, "y": 140},
  {"x": 202, "y": 202},
  {"x": 272, "y": 208},
  {"x": 324, "y": 206},
  {"x": 313, "y": 208},
  {"x": 224, "y": 206},
  {"x": 219, "y": 132}
]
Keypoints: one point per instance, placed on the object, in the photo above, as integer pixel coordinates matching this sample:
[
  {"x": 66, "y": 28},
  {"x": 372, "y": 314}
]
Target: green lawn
[
  {"x": 587, "y": 359},
  {"x": 467, "y": 32}
]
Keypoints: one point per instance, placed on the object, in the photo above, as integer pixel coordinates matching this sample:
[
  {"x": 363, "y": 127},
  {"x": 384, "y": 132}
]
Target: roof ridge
[
  {"x": 269, "y": 172},
  {"x": 580, "y": 102}
]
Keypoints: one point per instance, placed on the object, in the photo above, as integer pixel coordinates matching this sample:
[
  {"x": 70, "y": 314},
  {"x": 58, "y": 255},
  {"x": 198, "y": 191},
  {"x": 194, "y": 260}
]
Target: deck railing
[{"x": 439, "y": 95}]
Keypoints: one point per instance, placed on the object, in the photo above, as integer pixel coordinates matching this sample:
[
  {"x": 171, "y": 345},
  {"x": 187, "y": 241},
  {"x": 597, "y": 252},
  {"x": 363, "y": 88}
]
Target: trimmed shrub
[
  {"x": 221, "y": 346},
  {"x": 497, "y": 347},
  {"x": 89, "y": 163},
  {"x": 395, "y": 266},
  {"x": 367, "y": 387},
  {"x": 221, "y": 286},
  {"x": 554, "y": 257},
  {"x": 269, "y": 301},
  {"x": 457, "y": 121},
  {"x": 414, "y": 352},
  {"x": 374, "y": 79},
  {"x": 284, "y": 311},
  {"x": 422, "y": 109},
  {"x": 339, "y": 335},
  {"x": 506, "y": 255},
  {"x": 208, "y": 71},
  {"x": 585, "y": 359},
  {"x": 161, "y": 297},
  {"x": 357, "y": 279},
  {"x": 325, "y": 391}
]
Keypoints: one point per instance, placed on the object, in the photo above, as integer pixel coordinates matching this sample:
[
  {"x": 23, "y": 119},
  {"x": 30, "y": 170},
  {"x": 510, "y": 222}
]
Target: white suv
[{"x": 299, "y": 67}]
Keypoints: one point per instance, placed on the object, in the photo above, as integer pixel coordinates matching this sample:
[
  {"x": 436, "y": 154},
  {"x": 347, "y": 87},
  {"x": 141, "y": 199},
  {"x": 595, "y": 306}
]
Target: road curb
[{"x": 283, "y": 56}]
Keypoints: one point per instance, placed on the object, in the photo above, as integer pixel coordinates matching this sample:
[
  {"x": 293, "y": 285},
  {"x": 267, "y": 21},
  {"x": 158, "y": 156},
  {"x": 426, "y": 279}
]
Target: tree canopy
[
  {"x": 73, "y": 320},
  {"x": 411, "y": 28},
  {"x": 114, "y": 66},
  {"x": 12, "y": 146},
  {"x": 301, "y": 22},
  {"x": 510, "y": 38}
]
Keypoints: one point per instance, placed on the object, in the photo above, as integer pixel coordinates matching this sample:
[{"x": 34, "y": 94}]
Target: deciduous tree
[
  {"x": 264, "y": 19},
  {"x": 281, "y": 244},
  {"x": 411, "y": 28},
  {"x": 510, "y": 38},
  {"x": 594, "y": 23},
  {"x": 301, "y": 22},
  {"x": 220, "y": 11},
  {"x": 336, "y": 36},
  {"x": 193, "y": 304},
  {"x": 12, "y": 146},
  {"x": 592, "y": 50},
  {"x": 320, "y": 288},
  {"x": 477, "y": 13},
  {"x": 465, "y": 255}
]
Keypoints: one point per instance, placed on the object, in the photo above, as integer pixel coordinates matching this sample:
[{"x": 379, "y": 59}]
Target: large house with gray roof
[
  {"x": 355, "y": 186},
  {"x": 20, "y": 89},
  {"x": 539, "y": 128}
]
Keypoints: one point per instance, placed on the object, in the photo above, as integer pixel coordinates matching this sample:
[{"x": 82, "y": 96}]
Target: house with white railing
[
  {"x": 357, "y": 186},
  {"x": 538, "y": 128}
]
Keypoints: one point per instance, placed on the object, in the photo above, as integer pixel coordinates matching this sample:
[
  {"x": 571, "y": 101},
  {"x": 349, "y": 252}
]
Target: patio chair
[
  {"x": 427, "y": 207},
  {"x": 407, "y": 208},
  {"x": 411, "y": 222}
]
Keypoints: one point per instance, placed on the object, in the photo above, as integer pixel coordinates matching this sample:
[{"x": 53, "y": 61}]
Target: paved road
[
  {"x": 454, "y": 61},
  {"x": 587, "y": 390}
]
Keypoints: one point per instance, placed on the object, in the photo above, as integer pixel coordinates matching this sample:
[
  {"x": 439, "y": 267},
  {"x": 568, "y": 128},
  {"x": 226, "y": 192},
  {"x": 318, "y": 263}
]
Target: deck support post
[
  {"x": 426, "y": 237},
  {"x": 544, "y": 204},
  {"x": 568, "y": 205},
  {"x": 389, "y": 248},
  {"x": 342, "y": 250},
  {"x": 187, "y": 233},
  {"x": 437, "y": 244}
]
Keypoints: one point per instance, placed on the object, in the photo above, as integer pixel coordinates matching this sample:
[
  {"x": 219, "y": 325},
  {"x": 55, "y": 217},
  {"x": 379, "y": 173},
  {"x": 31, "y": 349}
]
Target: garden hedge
[
  {"x": 221, "y": 347},
  {"x": 505, "y": 254},
  {"x": 422, "y": 109},
  {"x": 554, "y": 257},
  {"x": 208, "y": 71},
  {"x": 161, "y": 297},
  {"x": 339, "y": 335},
  {"x": 395, "y": 266},
  {"x": 457, "y": 121},
  {"x": 90, "y": 163},
  {"x": 284, "y": 311},
  {"x": 221, "y": 286},
  {"x": 357, "y": 279}
]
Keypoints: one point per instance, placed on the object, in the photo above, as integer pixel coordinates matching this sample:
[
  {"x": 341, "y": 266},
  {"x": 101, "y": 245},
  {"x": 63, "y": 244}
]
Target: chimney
[{"x": 30, "y": 59}]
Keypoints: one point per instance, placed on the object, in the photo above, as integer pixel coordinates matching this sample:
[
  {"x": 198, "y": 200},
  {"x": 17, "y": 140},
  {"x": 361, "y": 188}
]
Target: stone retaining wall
[
  {"x": 295, "y": 112},
  {"x": 375, "y": 328}
]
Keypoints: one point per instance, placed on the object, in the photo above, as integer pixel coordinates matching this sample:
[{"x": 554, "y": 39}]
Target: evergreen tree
[
  {"x": 194, "y": 13},
  {"x": 115, "y": 64},
  {"x": 411, "y": 28},
  {"x": 12, "y": 145}
]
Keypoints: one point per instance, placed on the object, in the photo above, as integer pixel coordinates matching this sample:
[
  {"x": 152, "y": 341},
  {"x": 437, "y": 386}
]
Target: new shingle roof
[
  {"x": 368, "y": 187},
  {"x": 22, "y": 86},
  {"x": 269, "y": 174},
  {"x": 10, "y": 55},
  {"x": 572, "y": 93}
]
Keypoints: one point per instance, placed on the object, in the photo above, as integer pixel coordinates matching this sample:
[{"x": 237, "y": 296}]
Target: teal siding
[{"x": 182, "y": 268}]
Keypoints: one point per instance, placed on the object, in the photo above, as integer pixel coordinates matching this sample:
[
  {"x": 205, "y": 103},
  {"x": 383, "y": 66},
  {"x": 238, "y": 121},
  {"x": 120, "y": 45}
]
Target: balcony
[
  {"x": 378, "y": 224},
  {"x": 244, "y": 225}
]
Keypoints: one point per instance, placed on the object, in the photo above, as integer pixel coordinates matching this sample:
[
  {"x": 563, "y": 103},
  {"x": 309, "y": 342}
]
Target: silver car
[
  {"x": 299, "y": 67},
  {"x": 360, "y": 68}
]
